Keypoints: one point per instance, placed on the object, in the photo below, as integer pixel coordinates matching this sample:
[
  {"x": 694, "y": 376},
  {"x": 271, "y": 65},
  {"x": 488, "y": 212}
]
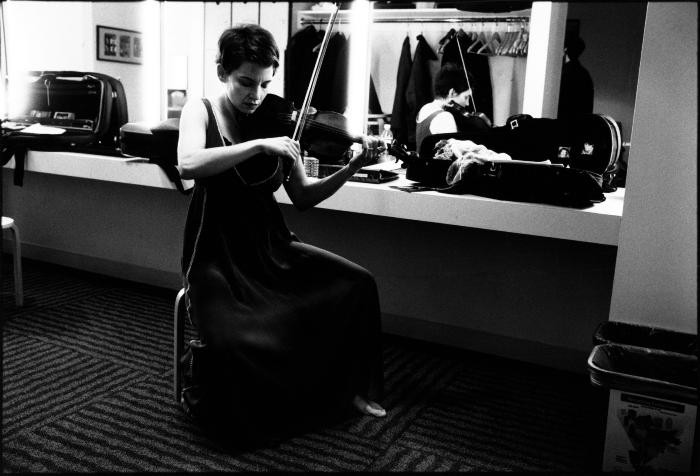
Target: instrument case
[
  {"x": 90, "y": 108},
  {"x": 156, "y": 142},
  {"x": 568, "y": 162}
]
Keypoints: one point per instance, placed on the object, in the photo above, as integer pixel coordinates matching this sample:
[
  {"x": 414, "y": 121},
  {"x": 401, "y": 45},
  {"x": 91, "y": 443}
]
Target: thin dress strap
[{"x": 214, "y": 136}]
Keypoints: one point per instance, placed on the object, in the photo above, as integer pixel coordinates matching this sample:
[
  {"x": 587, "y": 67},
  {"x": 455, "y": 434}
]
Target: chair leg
[
  {"x": 178, "y": 345},
  {"x": 19, "y": 293}
]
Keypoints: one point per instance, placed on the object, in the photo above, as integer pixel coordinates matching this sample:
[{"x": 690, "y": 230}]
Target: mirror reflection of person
[
  {"x": 576, "y": 89},
  {"x": 437, "y": 117},
  {"x": 291, "y": 332}
]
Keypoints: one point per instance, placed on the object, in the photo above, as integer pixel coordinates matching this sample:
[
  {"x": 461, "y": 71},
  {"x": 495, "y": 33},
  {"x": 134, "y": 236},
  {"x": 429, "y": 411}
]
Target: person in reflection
[
  {"x": 576, "y": 89},
  {"x": 449, "y": 111},
  {"x": 289, "y": 334}
]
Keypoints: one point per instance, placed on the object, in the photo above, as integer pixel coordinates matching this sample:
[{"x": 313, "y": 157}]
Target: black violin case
[
  {"x": 156, "y": 142},
  {"x": 568, "y": 162},
  {"x": 90, "y": 107}
]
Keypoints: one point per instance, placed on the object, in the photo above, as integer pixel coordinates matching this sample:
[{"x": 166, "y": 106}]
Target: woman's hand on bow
[{"x": 282, "y": 147}]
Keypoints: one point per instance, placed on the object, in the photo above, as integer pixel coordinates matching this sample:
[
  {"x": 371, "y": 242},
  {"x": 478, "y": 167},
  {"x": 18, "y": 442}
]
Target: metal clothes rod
[{"x": 314, "y": 21}]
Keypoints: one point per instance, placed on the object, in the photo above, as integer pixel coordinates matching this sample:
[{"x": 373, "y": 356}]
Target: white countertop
[{"x": 597, "y": 224}]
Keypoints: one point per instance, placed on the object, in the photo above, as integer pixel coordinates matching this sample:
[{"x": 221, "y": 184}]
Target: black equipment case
[
  {"x": 90, "y": 107},
  {"x": 583, "y": 154},
  {"x": 156, "y": 142}
]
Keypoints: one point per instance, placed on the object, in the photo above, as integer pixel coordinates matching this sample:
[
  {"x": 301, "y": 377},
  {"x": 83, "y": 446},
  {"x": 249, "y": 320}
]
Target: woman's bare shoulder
[
  {"x": 194, "y": 106},
  {"x": 443, "y": 123}
]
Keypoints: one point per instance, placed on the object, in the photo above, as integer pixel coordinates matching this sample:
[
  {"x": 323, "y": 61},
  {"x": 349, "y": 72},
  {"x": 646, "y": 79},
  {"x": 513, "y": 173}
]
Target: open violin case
[
  {"x": 88, "y": 107},
  {"x": 567, "y": 162}
]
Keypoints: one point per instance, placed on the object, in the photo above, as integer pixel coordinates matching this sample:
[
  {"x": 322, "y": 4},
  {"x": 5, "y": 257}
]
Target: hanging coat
[
  {"x": 374, "y": 106},
  {"x": 336, "y": 86},
  {"x": 335, "y": 66},
  {"x": 420, "y": 86},
  {"x": 399, "y": 119},
  {"x": 576, "y": 90},
  {"x": 478, "y": 67},
  {"x": 299, "y": 63}
]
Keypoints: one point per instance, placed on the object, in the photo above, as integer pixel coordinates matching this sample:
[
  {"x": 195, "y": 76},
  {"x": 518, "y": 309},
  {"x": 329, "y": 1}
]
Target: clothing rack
[{"x": 428, "y": 15}]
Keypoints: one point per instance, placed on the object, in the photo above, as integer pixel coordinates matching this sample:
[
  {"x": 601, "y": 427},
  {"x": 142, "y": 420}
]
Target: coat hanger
[
  {"x": 485, "y": 48},
  {"x": 483, "y": 41},
  {"x": 445, "y": 40},
  {"x": 520, "y": 48},
  {"x": 513, "y": 47},
  {"x": 448, "y": 37},
  {"x": 495, "y": 41},
  {"x": 507, "y": 39},
  {"x": 476, "y": 42},
  {"x": 515, "y": 38},
  {"x": 467, "y": 38}
]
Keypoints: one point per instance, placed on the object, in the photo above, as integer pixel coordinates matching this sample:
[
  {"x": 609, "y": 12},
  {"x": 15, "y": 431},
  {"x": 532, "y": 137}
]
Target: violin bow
[
  {"x": 464, "y": 67},
  {"x": 303, "y": 112}
]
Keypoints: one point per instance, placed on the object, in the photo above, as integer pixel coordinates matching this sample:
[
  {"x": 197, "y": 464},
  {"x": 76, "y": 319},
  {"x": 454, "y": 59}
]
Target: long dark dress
[{"x": 291, "y": 332}]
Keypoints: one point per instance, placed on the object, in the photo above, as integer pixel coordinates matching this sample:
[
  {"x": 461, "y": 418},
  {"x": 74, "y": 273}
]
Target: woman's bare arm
[
  {"x": 196, "y": 161},
  {"x": 305, "y": 193}
]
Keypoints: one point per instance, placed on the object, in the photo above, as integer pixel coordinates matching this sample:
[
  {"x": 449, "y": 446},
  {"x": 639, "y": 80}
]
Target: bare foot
[{"x": 368, "y": 407}]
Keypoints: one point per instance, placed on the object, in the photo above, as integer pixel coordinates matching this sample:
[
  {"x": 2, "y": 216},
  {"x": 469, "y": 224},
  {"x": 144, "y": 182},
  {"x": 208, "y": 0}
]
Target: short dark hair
[
  {"x": 450, "y": 76},
  {"x": 247, "y": 42},
  {"x": 574, "y": 46}
]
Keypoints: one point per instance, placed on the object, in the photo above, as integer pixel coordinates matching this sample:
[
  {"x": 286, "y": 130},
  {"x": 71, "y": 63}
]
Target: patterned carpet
[{"x": 87, "y": 385}]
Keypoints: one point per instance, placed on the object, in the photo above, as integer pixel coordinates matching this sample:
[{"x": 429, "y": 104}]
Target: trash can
[
  {"x": 652, "y": 398},
  {"x": 613, "y": 332}
]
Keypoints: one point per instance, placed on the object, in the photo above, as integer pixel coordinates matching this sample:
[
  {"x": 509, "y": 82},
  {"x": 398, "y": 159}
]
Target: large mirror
[
  {"x": 173, "y": 46},
  {"x": 64, "y": 36}
]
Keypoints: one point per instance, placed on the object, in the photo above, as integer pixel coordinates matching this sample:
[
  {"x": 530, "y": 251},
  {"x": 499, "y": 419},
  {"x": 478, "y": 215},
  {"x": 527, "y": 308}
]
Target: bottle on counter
[{"x": 387, "y": 137}]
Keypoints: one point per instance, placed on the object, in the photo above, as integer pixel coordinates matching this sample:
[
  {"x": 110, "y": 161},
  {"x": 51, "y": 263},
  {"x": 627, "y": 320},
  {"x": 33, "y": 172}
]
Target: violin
[
  {"x": 467, "y": 120},
  {"x": 323, "y": 134},
  {"x": 326, "y": 134}
]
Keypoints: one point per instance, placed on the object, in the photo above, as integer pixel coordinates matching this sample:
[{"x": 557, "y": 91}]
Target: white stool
[{"x": 9, "y": 224}]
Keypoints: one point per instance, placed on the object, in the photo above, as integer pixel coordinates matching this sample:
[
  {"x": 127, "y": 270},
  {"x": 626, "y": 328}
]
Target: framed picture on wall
[{"x": 117, "y": 44}]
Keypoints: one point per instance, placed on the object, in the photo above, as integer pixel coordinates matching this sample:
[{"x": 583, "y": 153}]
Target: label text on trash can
[{"x": 648, "y": 434}]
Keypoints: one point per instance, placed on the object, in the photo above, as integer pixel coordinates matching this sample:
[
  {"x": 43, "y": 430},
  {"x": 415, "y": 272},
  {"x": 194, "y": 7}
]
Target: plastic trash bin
[
  {"x": 613, "y": 332},
  {"x": 651, "y": 409}
]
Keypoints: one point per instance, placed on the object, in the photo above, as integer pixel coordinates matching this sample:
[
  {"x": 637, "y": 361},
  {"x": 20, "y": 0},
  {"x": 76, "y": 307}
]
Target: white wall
[
  {"x": 656, "y": 275},
  {"x": 126, "y": 15},
  {"x": 49, "y": 36},
  {"x": 613, "y": 34},
  {"x": 47, "y": 48},
  {"x": 62, "y": 36},
  {"x": 182, "y": 29},
  {"x": 192, "y": 29}
]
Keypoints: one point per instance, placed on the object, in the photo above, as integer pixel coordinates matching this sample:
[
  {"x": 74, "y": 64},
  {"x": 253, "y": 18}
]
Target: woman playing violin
[
  {"x": 452, "y": 97},
  {"x": 289, "y": 333}
]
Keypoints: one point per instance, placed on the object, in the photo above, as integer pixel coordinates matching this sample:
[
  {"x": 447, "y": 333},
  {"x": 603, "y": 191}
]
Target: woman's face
[
  {"x": 246, "y": 86},
  {"x": 460, "y": 98}
]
